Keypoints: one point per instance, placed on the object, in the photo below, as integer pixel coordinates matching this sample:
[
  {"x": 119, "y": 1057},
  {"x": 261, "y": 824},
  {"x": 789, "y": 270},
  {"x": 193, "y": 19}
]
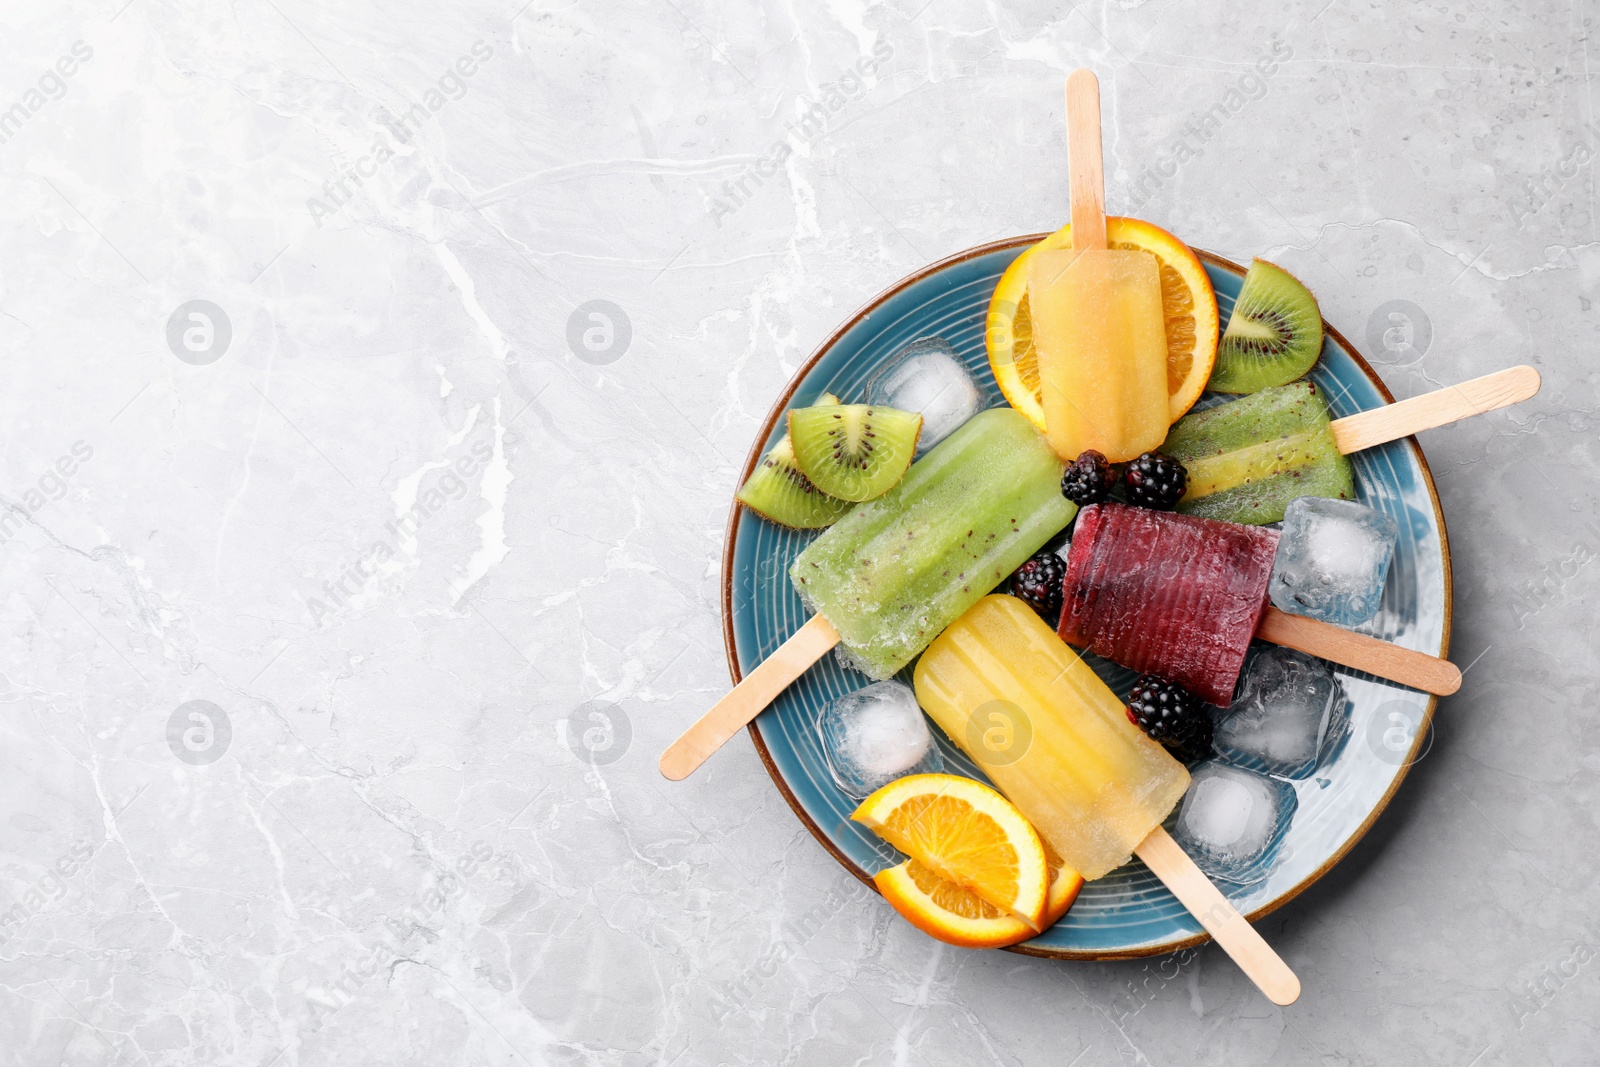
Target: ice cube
[
  {"x": 1231, "y": 820},
  {"x": 1283, "y": 713},
  {"x": 875, "y": 735},
  {"x": 1333, "y": 560},
  {"x": 927, "y": 376}
]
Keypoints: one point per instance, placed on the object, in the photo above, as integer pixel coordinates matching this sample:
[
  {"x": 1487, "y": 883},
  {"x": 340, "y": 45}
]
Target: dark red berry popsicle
[{"x": 1166, "y": 594}]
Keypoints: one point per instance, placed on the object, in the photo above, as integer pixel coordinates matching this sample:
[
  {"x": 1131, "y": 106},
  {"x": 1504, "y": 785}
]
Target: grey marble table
[{"x": 376, "y": 380}]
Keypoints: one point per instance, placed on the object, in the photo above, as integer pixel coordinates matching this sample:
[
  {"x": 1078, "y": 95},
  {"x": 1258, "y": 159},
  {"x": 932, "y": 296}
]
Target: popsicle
[
  {"x": 894, "y": 572},
  {"x": 1098, "y": 326},
  {"x": 1170, "y": 594},
  {"x": 1089, "y": 780},
  {"x": 1247, "y": 459},
  {"x": 889, "y": 576},
  {"x": 1181, "y": 597},
  {"x": 1056, "y": 741}
]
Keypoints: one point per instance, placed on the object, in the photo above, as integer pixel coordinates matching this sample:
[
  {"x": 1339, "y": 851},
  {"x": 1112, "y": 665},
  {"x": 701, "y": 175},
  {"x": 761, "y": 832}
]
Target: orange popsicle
[
  {"x": 1101, "y": 339},
  {"x": 1049, "y": 733},
  {"x": 1098, "y": 326}
]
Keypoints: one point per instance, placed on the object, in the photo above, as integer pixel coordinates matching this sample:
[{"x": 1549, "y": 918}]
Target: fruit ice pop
[
  {"x": 897, "y": 570},
  {"x": 1099, "y": 330},
  {"x": 1249, "y": 458},
  {"x": 1173, "y": 595},
  {"x": 1049, "y": 733},
  {"x": 1101, "y": 340}
]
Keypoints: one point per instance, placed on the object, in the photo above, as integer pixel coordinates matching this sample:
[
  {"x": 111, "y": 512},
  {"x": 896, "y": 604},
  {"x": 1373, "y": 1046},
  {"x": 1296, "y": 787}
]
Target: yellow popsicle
[
  {"x": 1049, "y": 733},
  {"x": 1101, "y": 340}
]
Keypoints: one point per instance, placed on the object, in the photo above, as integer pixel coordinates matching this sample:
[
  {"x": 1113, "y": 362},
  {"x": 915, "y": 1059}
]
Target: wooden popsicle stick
[
  {"x": 1473, "y": 397},
  {"x": 1084, "y": 166},
  {"x": 1221, "y": 919},
  {"x": 1361, "y": 652},
  {"x": 747, "y": 699}
]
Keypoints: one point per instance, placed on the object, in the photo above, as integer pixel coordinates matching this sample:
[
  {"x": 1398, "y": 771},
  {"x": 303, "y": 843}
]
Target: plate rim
[{"x": 731, "y": 533}]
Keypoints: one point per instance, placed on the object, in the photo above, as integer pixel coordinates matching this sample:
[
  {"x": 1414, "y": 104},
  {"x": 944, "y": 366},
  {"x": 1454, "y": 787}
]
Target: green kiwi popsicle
[
  {"x": 1248, "y": 458},
  {"x": 895, "y": 571}
]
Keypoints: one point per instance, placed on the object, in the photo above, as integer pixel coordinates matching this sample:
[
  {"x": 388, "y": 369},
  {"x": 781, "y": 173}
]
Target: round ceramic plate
[{"x": 1380, "y": 732}]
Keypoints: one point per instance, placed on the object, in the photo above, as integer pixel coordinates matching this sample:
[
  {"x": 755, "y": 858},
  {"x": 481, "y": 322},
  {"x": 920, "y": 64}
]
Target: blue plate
[{"x": 1127, "y": 913}]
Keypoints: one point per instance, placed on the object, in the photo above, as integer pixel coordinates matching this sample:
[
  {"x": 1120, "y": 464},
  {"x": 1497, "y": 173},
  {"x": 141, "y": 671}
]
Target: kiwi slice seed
[
  {"x": 1274, "y": 334},
  {"x": 854, "y": 451}
]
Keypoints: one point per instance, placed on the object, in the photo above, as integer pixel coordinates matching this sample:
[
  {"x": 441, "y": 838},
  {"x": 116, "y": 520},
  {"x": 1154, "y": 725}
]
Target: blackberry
[
  {"x": 1170, "y": 714},
  {"x": 1088, "y": 480},
  {"x": 1040, "y": 583},
  {"x": 1156, "y": 481}
]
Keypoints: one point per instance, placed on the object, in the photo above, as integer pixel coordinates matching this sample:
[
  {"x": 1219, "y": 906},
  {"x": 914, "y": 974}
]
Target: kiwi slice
[
  {"x": 780, "y": 492},
  {"x": 1274, "y": 334},
  {"x": 854, "y": 451}
]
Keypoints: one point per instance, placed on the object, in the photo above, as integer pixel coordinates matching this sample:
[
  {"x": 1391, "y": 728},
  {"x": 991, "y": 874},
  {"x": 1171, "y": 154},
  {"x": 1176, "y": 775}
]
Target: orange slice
[
  {"x": 966, "y": 834},
  {"x": 1188, "y": 300},
  {"x": 957, "y": 916}
]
